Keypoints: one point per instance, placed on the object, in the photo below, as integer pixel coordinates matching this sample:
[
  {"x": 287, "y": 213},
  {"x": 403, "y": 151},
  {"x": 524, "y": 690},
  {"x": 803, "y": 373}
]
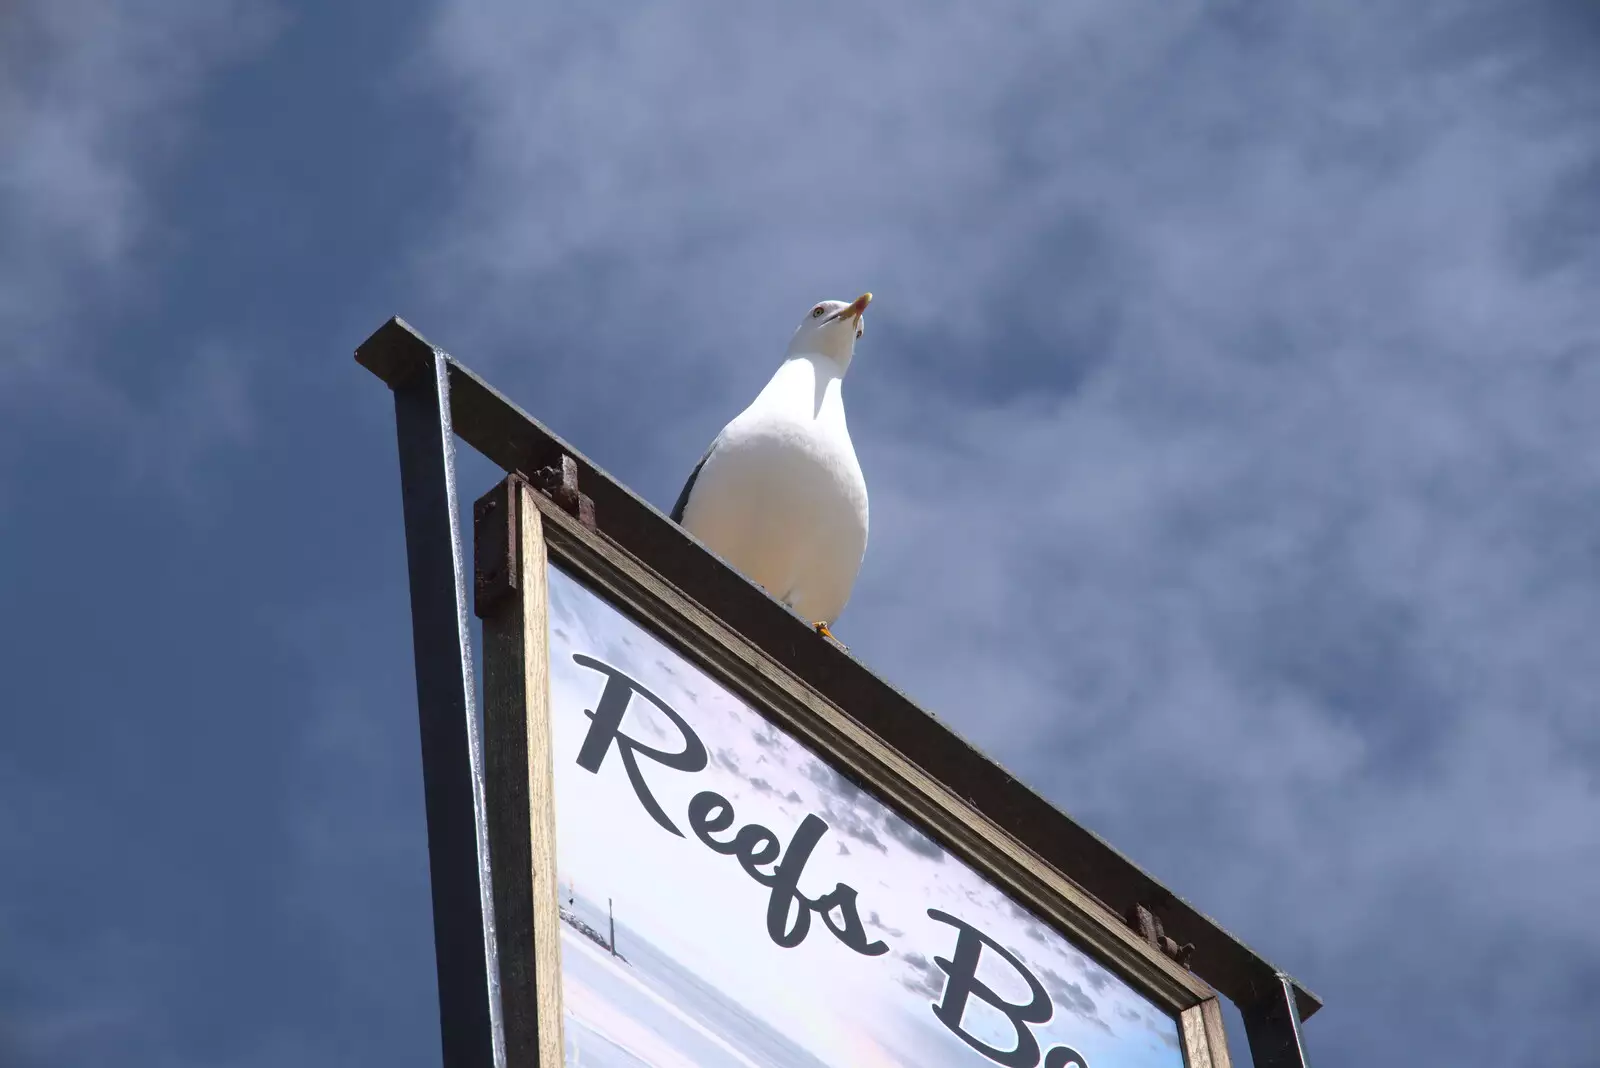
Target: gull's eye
[{"x": 816, "y": 313}]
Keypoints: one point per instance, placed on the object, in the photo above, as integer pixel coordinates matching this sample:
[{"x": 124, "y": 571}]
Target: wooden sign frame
[
  {"x": 517, "y": 532},
  {"x": 490, "y": 799}
]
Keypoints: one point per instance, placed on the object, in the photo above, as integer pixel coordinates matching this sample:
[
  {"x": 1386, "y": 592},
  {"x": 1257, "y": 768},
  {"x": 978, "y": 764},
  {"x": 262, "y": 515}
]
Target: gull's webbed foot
[{"x": 822, "y": 629}]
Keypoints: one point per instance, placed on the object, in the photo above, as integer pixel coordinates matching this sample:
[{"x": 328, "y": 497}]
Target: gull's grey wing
[{"x": 683, "y": 497}]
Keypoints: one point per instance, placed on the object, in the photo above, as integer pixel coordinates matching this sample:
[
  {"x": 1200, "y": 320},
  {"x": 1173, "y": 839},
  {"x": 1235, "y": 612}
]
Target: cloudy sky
[{"x": 1228, "y": 408}]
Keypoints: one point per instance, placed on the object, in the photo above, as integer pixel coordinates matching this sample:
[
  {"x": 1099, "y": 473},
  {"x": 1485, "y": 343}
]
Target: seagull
[{"x": 779, "y": 495}]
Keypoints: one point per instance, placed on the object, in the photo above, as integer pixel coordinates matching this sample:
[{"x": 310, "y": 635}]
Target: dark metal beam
[
  {"x": 1272, "y": 1026},
  {"x": 452, "y": 754},
  {"x": 520, "y": 444}
]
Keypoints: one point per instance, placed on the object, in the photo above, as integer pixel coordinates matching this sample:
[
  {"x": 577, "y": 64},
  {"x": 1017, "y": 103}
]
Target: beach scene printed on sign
[{"x": 729, "y": 900}]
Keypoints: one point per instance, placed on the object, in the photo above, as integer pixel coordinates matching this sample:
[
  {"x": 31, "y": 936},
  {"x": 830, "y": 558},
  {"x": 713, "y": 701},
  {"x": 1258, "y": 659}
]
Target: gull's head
[{"x": 831, "y": 328}]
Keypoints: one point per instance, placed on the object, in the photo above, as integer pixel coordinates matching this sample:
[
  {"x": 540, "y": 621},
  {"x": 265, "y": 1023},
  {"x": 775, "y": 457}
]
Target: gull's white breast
[{"x": 781, "y": 497}]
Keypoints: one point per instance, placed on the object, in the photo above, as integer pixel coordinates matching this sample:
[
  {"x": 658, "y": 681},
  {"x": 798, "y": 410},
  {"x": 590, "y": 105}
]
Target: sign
[
  {"x": 728, "y": 899},
  {"x": 765, "y": 854}
]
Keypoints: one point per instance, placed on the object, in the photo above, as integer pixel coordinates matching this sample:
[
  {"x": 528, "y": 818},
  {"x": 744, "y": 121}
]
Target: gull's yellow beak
[{"x": 856, "y": 307}]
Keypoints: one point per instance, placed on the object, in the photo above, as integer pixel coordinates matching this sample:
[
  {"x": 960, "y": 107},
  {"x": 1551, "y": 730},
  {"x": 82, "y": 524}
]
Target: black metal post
[
  {"x": 1272, "y": 1026},
  {"x": 464, "y": 943}
]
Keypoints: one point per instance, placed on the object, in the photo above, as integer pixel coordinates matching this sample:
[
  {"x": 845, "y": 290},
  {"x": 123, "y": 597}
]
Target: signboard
[
  {"x": 689, "y": 830},
  {"x": 682, "y": 881},
  {"x": 729, "y": 900}
]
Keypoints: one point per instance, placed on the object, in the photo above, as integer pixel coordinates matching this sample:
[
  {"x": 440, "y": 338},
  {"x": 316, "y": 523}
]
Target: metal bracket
[
  {"x": 1148, "y": 924},
  {"x": 494, "y": 528},
  {"x": 494, "y": 546},
  {"x": 559, "y": 482}
]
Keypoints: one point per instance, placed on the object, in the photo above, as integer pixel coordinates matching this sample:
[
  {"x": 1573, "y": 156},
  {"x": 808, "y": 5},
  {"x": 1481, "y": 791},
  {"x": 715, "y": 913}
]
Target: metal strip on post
[
  {"x": 465, "y": 949},
  {"x": 1272, "y": 1026}
]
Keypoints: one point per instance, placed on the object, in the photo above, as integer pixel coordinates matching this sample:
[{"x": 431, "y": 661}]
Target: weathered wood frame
[
  {"x": 657, "y": 571},
  {"x": 511, "y": 558}
]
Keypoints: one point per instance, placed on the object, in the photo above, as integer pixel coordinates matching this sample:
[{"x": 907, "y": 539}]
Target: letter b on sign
[{"x": 962, "y": 983}]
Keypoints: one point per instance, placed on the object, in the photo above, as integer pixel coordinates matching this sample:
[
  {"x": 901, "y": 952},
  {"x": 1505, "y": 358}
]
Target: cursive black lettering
[
  {"x": 606, "y": 730},
  {"x": 848, "y": 929},
  {"x": 788, "y": 910},
  {"x": 962, "y": 983},
  {"x": 711, "y": 813},
  {"x": 755, "y": 846},
  {"x": 785, "y": 881}
]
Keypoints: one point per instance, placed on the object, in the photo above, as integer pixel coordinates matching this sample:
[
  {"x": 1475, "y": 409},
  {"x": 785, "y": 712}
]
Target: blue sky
[{"x": 1227, "y": 406}]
